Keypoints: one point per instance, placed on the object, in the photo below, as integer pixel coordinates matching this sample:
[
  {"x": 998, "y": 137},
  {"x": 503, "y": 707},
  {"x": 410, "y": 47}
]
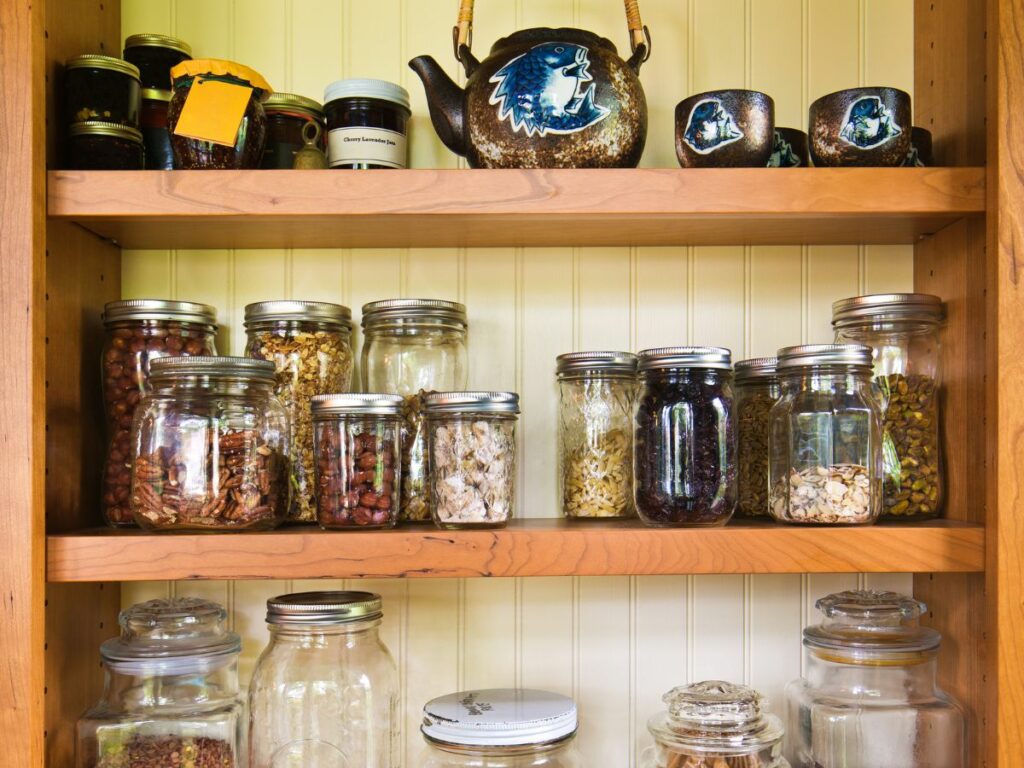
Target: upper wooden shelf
[
  {"x": 434, "y": 208},
  {"x": 530, "y": 547}
]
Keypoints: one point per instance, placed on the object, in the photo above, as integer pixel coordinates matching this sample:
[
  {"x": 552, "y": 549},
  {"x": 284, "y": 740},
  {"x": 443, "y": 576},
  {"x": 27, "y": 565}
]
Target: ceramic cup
[
  {"x": 725, "y": 129},
  {"x": 920, "y": 154},
  {"x": 861, "y": 127},
  {"x": 790, "y": 149}
]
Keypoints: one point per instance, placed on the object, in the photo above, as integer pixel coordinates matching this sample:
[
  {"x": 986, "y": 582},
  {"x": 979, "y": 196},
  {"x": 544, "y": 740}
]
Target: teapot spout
[{"x": 446, "y": 101}]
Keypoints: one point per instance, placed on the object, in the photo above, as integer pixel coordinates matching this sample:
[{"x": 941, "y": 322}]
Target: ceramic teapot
[{"x": 543, "y": 98}]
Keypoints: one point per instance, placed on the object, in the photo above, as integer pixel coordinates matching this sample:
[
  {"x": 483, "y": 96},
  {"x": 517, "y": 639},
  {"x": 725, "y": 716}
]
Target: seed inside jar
[{"x": 840, "y": 493}]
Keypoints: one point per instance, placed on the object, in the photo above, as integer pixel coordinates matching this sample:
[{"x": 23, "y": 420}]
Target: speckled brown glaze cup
[
  {"x": 790, "y": 150},
  {"x": 866, "y": 127},
  {"x": 725, "y": 129},
  {"x": 920, "y": 154}
]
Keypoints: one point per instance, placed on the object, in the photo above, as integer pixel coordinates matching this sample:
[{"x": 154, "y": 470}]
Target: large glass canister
[
  {"x": 869, "y": 697},
  {"x": 411, "y": 347},
  {"x": 597, "y": 393},
  {"x": 684, "y": 461},
  {"x": 903, "y": 331},
  {"x": 825, "y": 437},
  {"x": 170, "y": 692},
  {"x": 500, "y": 728},
  {"x": 324, "y": 693},
  {"x": 310, "y": 345},
  {"x": 714, "y": 724},
  {"x": 757, "y": 390}
]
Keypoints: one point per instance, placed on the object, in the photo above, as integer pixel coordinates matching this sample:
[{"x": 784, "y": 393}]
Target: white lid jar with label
[{"x": 367, "y": 124}]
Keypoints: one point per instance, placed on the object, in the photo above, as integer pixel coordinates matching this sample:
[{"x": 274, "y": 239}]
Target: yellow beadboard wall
[{"x": 615, "y": 644}]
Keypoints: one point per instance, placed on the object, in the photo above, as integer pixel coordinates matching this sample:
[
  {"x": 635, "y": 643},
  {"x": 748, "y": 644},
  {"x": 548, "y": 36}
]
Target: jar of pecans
[{"x": 757, "y": 390}]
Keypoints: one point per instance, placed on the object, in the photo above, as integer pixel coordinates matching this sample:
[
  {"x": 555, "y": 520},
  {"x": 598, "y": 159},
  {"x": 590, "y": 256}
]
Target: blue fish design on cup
[
  {"x": 710, "y": 126},
  {"x": 869, "y": 124}
]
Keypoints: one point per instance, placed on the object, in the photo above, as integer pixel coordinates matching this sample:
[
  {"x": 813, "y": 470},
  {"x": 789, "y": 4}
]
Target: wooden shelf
[
  {"x": 537, "y": 547},
  {"x": 433, "y": 208}
]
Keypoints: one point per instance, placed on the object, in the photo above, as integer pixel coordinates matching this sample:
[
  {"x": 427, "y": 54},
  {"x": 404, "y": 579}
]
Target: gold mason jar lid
[
  {"x": 155, "y": 94},
  {"x": 153, "y": 40},
  {"x": 100, "y": 128},
  {"x": 96, "y": 61},
  {"x": 292, "y": 102}
]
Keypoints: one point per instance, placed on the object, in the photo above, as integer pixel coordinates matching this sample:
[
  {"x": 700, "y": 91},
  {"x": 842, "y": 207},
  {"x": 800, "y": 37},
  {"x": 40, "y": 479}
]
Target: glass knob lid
[
  {"x": 871, "y": 619},
  {"x": 179, "y": 627}
]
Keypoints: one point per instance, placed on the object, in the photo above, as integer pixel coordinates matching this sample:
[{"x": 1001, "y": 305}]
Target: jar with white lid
[
  {"x": 367, "y": 124},
  {"x": 500, "y": 728}
]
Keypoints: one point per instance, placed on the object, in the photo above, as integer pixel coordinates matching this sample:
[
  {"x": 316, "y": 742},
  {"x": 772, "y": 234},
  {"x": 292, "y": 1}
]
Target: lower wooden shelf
[{"x": 528, "y": 547}]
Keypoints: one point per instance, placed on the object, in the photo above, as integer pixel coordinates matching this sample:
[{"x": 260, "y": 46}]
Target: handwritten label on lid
[{"x": 213, "y": 111}]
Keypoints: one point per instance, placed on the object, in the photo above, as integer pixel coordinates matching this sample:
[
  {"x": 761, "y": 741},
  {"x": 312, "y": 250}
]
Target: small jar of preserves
[
  {"x": 757, "y": 390},
  {"x": 156, "y": 56},
  {"x": 288, "y": 116},
  {"x": 155, "y": 136},
  {"x": 102, "y": 88},
  {"x": 367, "y": 124},
  {"x": 96, "y": 146}
]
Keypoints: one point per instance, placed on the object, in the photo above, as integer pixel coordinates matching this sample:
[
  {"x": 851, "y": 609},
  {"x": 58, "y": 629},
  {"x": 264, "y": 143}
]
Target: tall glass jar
[
  {"x": 869, "y": 697},
  {"x": 684, "y": 466},
  {"x": 138, "y": 331},
  {"x": 324, "y": 693},
  {"x": 210, "y": 447},
  {"x": 411, "y": 347},
  {"x": 500, "y": 728},
  {"x": 310, "y": 345},
  {"x": 170, "y": 691},
  {"x": 903, "y": 331},
  {"x": 595, "y": 433},
  {"x": 757, "y": 390},
  {"x": 825, "y": 437}
]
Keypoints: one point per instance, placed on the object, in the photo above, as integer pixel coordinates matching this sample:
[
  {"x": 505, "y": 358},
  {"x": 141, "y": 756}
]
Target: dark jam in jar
[
  {"x": 155, "y": 135},
  {"x": 367, "y": 124},
  {"x": 287, "y": 115},
  {"x": 99, "y": 146},
  {"x": 155, "y": 56},
  {"x": 101, "y": 88}
]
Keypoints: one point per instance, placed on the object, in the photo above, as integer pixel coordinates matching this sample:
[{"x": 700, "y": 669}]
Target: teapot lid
[
  {"x": 873, "y": 622},
  {"x": 538, "y": 35}
]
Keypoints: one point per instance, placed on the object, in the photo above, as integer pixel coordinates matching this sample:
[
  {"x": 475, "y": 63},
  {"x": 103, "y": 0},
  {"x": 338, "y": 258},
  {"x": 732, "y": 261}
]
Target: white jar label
[{"x": 376, "y": 146}]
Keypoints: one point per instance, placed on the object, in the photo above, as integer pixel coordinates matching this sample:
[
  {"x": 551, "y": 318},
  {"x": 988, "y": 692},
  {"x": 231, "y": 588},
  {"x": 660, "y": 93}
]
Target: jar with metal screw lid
[
  {"x": 155, "y": 56},
  {"x": 288, "y": 116},
  {"x": 757, "y": 390},
  {"x": 102, "y": 88},
  {"x": 367, "y": 124}
]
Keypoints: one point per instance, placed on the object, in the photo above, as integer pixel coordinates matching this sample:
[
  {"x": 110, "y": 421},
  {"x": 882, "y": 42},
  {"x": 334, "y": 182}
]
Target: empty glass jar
[{"x": 757, "y": 390}]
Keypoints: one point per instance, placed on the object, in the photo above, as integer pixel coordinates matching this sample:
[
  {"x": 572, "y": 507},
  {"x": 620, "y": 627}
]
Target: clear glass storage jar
[
  {"x": 500, "y": 728},
  {"x": 210, "y": 447},
  {"x": 869, "y": 697},
  {"x": 137, "y": 332},
  {"x": 825, "y": 437},
  {"x": 903, "y": 331},
  {"x": 310, "y": 345},
  {"x": 410, "y": 347},
  {"x": 684, "y": 461},
  {"x": 471, "y": 444},
  {"x": 597, "y": 392},
  {"x": 756, "y": 390},
  {"x": 170, "y": 691},
  {"x": 324, "y": 693}
]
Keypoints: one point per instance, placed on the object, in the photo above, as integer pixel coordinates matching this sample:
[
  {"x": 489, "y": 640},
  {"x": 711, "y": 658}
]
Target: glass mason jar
[
  {"x": 411, "y": 347},
  {"x": 210, "y": 447},
  {"x": 471, "y": 445},
  {"x": 358, "y": 442},
  {"x": 869, "y": 698},
  {"x": 138, "y": 331},
  {"x": 324, "y": 693},
  {"x": 714, "y": 724},
  {"x": 170, "y": 691},
  {"x": 500, "y": 728},
  {"x": 825, "y": 437},
  {"x": 597, "y": 392},
  {"x": 757, "y": 390},
  {"x": 903, "y": 331},
  {"x": 310, "y": 345},
  {"x": 684, "y": 465}
]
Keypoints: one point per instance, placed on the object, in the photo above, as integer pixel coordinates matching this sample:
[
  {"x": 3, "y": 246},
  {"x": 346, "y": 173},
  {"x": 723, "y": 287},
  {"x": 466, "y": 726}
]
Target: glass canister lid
[
  {"x": 159, "y": 309},
  {"x": 921, "y": 307},
  {"x": 499, "y": 717},
  {"x": 287, "y": 310},
  {"x": 583, "y": 363},
  {"x": 414, "y": 311},
  {"x": 872, "y": 622},
  {"x": 323, "y": 608},
  {"x": 686, "y": 357}
]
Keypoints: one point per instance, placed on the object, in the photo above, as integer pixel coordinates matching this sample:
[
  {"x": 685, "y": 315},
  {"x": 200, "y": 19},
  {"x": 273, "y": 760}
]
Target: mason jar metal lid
[
  {"x": 595, "y": 362},
  {"x": 686, "y": 357},
  {"x": 238, "y": 367},
  {"x": 824, "y": 354},
  {"x": 157, "y": 41},
  {"x": 414, "y": 311},
  {"x": 323, "y": 608},
  {"x": 366, "y": 88},
  {"x": 292, "y": 101},
  {"x": 499, "y": 717},
  {"x": 298, "y": 311},
  {"x": 156, "y": 94},
  {"x": 471, "y": 402},
  {"x": 922, "y": 307},
  {"x": 372, "y": 404},
  {"x": 101, "y": 128},
  {"x": 110, "y": 63},
  {"x": 873, "y": 622},
  {"x": 159, "y": 309},
  {"x": 756, "y": 368}
]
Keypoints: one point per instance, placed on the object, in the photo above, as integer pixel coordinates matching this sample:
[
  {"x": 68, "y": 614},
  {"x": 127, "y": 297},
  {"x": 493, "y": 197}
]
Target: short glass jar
[
  {"x": 411, "y": 347},
  {"x": 500, "y": 728},
  {"x": 358, "y": 442},
  {"x": 597, "y": 394},
  {"x": 170, "y": 691},
  {"x": 155, "y": 136},
  {"x": 324, "y": 693},
  {"x": 156, "y": 56},
  {"x": 471, "y": 444},
  {"x": 96, "y": 146},
  {"x": 288, "y": 114},
  {"x": 310, "y": 345},
  {"x": 101, "y": 88},
  {"x": 210, "y": 447},
  {"x": 825, "y": 437},
  {"x": 367, "y": 124},
  {"x": 137, "y": 332},
  {"x": 684, "y": 461},
  {"x": 757, "y": 390},
  {"x": 869, "y": 697},
  {"x": 903, "y": 331}
]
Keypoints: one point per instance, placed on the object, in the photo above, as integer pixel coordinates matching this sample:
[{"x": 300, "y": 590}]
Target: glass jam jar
[
  {"x": 310, "y": 345},
  {"x": 410, "y": 347},
  {"x": 869, "y": 697},
  {"x": 170, "y": 691},
  {"x": 324, "y": 693},
  {"x": 714, "y": 724},
  {"x": 156, "y": 56},
  {"x": 210, "y": 447},
  {"x": 101, "y": 88},
  {"x": 757, "y": 390},
  {"x": 597, "y": 392},
  {"x": 903, "y": 331},
  {"x": 684, "y": 461},
  {"x": 500, "y": 728},
  {"x": 471, "y": 439},
  {"x": 288, "y": 114},
  {"x": 96, "y": 146},
  {"x": 137, "y": 332},
  {"x": 367, "y": 124},
  {"x": 155, "y": 136},
  {"x": 825, "y": 440}
]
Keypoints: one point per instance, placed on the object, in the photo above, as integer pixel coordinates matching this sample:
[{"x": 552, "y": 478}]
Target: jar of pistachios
[{"x": 756, "y": 387}]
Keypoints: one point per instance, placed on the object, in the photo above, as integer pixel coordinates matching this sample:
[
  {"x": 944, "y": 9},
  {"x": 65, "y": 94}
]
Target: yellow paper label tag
[{"x": 213, "y": 111}]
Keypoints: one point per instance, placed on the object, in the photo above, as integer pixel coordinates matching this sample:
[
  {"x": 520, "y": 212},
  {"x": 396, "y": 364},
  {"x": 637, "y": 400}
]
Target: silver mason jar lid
[
  {"x": 581, "y": 363},
  {"x": 808, "y": 355},
  {"x": 756, "y": 368},
  {"x": 910, "y": 307},
  {"x": 323, "y": 608},
  {"x": 159, "y": 309},
  {"x": 370, "y": 404},
  {"x": 298, "y": 311},
  {"x": 414, "y": 311},
  {"x": 718, "y": 358},
  {"x": 237, "y": 367},
  {"x": 471, "y": 402}
]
